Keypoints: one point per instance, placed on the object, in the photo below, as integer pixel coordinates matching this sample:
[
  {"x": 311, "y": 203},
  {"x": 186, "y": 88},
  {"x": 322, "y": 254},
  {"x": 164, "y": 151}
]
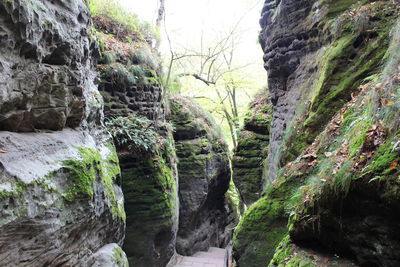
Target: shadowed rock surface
[
  {"x": 331, "y": 188},
  {"x": 129, "y": 85},
  {"x": 248, "y": 161},
  {"x": 204, "y": 177},
  {"x": 59, "y": 187}
]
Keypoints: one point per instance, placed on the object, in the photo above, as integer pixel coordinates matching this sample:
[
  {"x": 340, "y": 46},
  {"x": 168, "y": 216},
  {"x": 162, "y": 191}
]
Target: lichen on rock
[
  {"x": 248, "y": 163},
  {"x": 204, "y": 177},
  {"x": 59, "y": 181},
  {"x": 333, "y": 160}
]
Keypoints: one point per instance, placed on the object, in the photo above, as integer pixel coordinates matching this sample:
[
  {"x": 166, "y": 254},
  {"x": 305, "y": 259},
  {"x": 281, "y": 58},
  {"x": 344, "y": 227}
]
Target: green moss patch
[
  {"x": 89, "y": 168},
  {"x": 357, "y": 52}
]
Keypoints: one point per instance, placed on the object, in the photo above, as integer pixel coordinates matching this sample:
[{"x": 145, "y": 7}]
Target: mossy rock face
[
  {"x": 317, "y": 54},
  {"x": 342, "y": 191},
  {"x": 288, "y": 254},
  {"x": 334, "y": 153},
  {"x": 204, "y": 177},
  {"x": 264, "y": 224},
  {"x": 259, "y": 232},
  {"x": 353, "y": 192},
  {"x": 149, "y": 188},
  {"x": 66, "y": 196},
  {"x": 247, "y": 163},
  {"x": 86, "y": 170},
  {"x": 129, "y": 71}
]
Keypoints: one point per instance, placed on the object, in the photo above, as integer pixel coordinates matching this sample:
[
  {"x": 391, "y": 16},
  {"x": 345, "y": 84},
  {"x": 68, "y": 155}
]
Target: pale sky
[{"x": 185, "y": 20}]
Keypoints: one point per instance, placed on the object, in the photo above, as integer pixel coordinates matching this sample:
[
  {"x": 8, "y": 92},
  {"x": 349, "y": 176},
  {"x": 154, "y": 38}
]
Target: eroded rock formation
[
  {"x": 60, "y": 196},
  {"x": 129, "y": 85},
  {"x": 333, "y": 71},
  {"x": 248, "y": 161},
  {"x": 204, "y": 176}
]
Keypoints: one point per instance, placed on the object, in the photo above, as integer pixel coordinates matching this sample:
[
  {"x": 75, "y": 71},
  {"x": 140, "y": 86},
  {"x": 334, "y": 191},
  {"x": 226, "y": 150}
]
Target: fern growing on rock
[{"x": 134, "y": 133}]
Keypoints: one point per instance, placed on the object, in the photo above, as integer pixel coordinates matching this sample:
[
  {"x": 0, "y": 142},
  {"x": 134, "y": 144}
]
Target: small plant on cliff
[
  {"x": 124, "y": 24},
  {"x": 134, "y": 133}
]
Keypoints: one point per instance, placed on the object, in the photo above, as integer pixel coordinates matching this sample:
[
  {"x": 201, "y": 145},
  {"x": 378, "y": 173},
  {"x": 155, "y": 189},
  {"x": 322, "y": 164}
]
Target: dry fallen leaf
[
  {"x": 2, "y": 151},
  {"x": 389, "y": 103},
  {"x": 326, "y": 260},
  {"x": 394, "y": 164},
  {"x": 379, "y": 86}
]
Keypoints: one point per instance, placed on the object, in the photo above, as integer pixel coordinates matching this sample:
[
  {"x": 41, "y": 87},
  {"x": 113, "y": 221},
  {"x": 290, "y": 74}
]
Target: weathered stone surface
[
  {"x": 248, "y": 160},
  {"x": 317, "y": 54},
  {"x": 46, "y": 62},
  {"x": 151, "y": 202},
  {"x": 111, "y": 255},
  {"x": 149, "y": 177},
  {"x": 333, "y": 160},
  {"x": 204, "y": 177},
  {"x": 59, "y": 187},
  {"x": 50, "y": 213}
]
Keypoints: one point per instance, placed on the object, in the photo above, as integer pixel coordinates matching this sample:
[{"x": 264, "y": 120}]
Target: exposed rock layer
[
  {"x": 59, "y": 193},
  {"x": 334, "y": 154},
  {"x": 204, "y": 177},
  {"x": 45, "y": 65},
  {"x": 248, "y": 161}
]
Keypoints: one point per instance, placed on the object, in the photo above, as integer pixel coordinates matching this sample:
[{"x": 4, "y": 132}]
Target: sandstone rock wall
[
  {"x": 332, "y": 70},
  {"x": 248, "y": 163},
  {"x": 59, "y": 176},
  {"x": 204, "y": 177},
  {"x": 316, "y": 54},
  {"x": 150, "y": 190},
  {"x": 129, "y": 85}
]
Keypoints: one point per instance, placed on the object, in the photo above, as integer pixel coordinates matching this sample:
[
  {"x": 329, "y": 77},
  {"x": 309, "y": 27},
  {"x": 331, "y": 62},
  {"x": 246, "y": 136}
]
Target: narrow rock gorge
[
  {"x": 102, "y": 163},
  {"x": 204, "y": 176},
  {"x": 88, "y": 160}
]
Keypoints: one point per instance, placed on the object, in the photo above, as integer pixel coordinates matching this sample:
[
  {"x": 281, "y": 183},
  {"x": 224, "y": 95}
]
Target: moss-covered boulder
[
  {"x": 204, "y": 177},
  {"x": 248, "y": 160}
]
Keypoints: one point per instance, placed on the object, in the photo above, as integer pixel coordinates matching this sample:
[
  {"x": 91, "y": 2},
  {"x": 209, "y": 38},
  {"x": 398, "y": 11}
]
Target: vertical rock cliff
[
  {"x": 332, "y": 184},
  {"x": 129, "y": 71},
  {"x": 59, "y": 175},
  {"x": 248, "y": 162},
  {"x": 204, "y": 177}
]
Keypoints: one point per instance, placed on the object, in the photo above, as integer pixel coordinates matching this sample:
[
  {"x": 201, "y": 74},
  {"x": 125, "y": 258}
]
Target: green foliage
[
  {"x": 119, "y": 15},
  {"x": 384, "y": 156},
  {"x": 137, "y": 71},
  {"x": 86, "y": 170},
  {"x": 109, "y": 57},
  {"x": 118, "y": 75},
  {"x": 135, "y": 133},
  {"x": 144, "y": 56}
]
